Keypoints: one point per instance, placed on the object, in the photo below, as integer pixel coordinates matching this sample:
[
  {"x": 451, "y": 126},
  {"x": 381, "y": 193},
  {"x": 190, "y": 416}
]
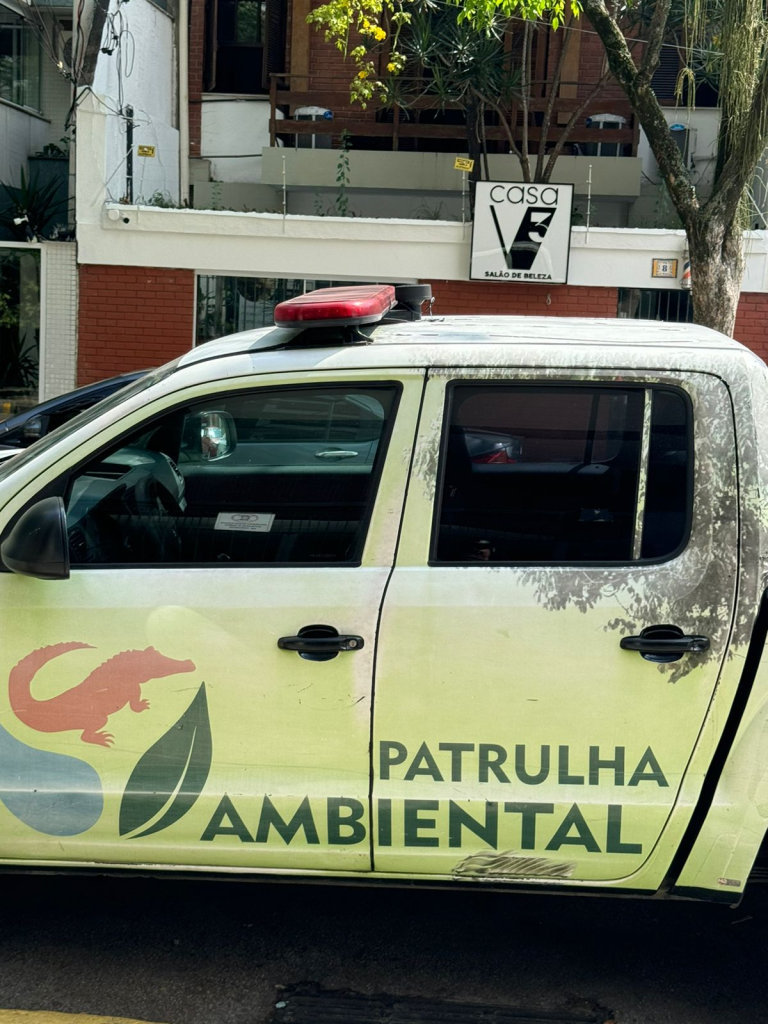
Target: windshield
[{"x": 9, "y": 466}]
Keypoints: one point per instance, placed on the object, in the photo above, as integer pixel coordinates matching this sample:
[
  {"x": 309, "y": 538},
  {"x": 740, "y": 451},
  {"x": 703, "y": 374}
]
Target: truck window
[
  {"x": 562, "y": 474},
  {"x": 271, "y": 476}
]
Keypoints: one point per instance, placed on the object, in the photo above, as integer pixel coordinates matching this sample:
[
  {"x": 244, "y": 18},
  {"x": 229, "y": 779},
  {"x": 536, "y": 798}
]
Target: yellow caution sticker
[
  {"x": 463, "y": 163},
  {"x": 146, "y": 150}
]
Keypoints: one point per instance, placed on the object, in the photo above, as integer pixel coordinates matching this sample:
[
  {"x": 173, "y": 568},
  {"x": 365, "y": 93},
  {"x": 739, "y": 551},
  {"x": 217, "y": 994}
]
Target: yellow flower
[
  {"x": 391, "y": 67},
  {"x": 379, "y": 34},
  {"x": 362, "y": 74}
]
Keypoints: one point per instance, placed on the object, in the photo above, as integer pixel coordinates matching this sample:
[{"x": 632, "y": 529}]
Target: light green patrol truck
[{"x": 468, "y": 601}]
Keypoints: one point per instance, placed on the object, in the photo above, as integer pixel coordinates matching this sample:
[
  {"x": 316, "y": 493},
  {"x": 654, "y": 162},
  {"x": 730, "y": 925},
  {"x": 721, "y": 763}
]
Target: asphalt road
[{"x": 200, "y": 952}]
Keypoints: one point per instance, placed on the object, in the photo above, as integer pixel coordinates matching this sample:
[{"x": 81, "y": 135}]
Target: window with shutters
[{"x": 245, "y": 44}]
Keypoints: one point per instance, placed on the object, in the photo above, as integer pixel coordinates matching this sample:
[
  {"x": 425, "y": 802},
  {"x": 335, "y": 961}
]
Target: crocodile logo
[{"x": 87, "y": 707}]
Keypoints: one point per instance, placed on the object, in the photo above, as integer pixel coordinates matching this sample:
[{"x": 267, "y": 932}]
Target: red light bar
[{"x": 335, "y": 307}]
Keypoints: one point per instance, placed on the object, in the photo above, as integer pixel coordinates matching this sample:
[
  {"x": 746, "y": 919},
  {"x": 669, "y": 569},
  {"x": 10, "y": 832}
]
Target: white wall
[
  {"x": 234, "y": 126},
  {"x": 706, "y": 121},
  {"x": 143, "y": 79},
  {"x": 329, "y": 247},
  {"x": 21, "y": 135},
  {"x": 58, "y": 371}
]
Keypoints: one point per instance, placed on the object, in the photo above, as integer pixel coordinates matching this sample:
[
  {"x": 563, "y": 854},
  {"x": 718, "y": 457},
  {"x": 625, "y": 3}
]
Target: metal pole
[
  {"x": 285, "y": 195},
  {"x": 128, "y": 112},
  {"x": 589, "y": 201}
]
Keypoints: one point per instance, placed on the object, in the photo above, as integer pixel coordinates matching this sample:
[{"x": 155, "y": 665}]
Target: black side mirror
[{"x": 37, "y": 545}]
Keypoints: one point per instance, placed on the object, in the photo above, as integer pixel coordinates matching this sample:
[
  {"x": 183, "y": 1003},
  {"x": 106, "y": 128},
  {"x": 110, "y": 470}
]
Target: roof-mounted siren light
[
  {"x": 355, "y": 306},
  {"x": 337, "y": 307}
]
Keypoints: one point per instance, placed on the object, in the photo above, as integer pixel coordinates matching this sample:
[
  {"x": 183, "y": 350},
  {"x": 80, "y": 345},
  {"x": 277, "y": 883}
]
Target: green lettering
[
  {"x": 270, "y": 818},
  {"x": 458, "y": 818},
  {"x": 529, "y": 812},
  {"x": 384, "y": 822},
  {"x": 456, "y": 749},
  {"x": 429, "y": 767},
  {"x": 352, "y": 821},
  {"x": 390, "y": 754},
  {"x": 563, "y": 769},
  {"x": 595, "y": 764},
  {"x": 613, "y": 842},
  {"x": 573, "y": 819},
  {"x": 493, "y": 764},
  {"x": 414, "y": 824},
  {"x": 655, "y": 774},
  {"x": 520, "y": 770},
  {"x": 216, "y": 826}
]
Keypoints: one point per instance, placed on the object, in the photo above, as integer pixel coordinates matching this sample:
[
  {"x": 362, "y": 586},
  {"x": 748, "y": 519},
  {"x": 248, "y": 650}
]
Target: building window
[
  {"x": 245, "y": 44},
  {"x": 19, "y": 61},
  {"x": 226, "y": 305},
  {"x": 19, "y": 329},
  {"x": 655, "y": 304}
]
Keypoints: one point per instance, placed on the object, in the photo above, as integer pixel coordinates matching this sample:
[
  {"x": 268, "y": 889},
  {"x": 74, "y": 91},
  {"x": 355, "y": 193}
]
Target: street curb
[{"x": 49, "y": 1017}]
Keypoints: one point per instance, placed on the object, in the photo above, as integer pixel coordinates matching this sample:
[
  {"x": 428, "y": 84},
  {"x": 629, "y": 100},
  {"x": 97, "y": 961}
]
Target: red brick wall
[
  {"x": 752, "y": 323},
  {"x": 131, "y": 318},
  {"x": 195, "y": 78},
  {"x": 466, "y": 297}
]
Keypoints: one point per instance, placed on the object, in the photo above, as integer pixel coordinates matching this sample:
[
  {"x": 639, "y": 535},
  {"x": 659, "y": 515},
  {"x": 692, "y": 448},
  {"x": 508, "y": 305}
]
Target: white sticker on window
[{"x": 249, "y": 522}]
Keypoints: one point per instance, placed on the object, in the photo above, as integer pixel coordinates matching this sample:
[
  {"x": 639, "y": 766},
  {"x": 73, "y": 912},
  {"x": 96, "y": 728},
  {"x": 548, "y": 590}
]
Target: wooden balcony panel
[{"x": 375, "y": 129}]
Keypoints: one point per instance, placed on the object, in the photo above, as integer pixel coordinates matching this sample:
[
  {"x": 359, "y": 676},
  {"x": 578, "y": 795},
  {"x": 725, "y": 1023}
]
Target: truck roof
[{"x": 489, "y": 330}]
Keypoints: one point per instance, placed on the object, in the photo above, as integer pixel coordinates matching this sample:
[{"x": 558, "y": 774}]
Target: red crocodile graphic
[{"x": 87, "y": 706}]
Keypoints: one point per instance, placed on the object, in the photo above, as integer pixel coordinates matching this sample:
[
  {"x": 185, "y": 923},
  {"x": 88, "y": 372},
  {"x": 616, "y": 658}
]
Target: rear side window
[{"x": 563, "y": 474}]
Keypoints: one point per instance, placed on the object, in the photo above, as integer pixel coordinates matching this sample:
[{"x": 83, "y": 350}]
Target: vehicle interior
[{"x": 188, "y": 489}]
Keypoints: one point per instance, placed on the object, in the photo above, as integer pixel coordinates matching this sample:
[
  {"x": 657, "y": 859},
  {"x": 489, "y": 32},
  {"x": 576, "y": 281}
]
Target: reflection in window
[
  {"x": 226, "y": 305},
  {"x": 552, "y": 474},
  {"x": 19, "y": 61},
  {"x": 19, "y": 329}
]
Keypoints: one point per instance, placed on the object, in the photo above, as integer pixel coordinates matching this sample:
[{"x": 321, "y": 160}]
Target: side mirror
[
  {"x": 209, "y": 436},
  {"x": 38, "y": 545}
]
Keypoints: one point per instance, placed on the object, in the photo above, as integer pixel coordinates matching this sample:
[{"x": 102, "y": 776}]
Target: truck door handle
[
  {"x": 336, "y": 455},
  {"x": 664, "y": 644},
  {"x": 320, "y": 643}
]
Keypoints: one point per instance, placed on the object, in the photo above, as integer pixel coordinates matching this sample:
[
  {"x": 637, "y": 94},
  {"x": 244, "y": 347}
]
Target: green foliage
[
  {"x": 32, "y": 203},
  {"x": 380, "y": 23}
]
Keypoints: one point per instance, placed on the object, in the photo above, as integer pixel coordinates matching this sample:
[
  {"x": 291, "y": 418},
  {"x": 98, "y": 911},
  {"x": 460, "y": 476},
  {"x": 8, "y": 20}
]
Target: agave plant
[{"x": 32, "y": 204}]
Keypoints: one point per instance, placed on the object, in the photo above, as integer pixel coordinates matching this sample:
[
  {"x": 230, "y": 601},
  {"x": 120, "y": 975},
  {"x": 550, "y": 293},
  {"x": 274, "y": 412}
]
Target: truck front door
[
  {"x": 149, "y": 713},
  {"x": 515, "y": 739}
]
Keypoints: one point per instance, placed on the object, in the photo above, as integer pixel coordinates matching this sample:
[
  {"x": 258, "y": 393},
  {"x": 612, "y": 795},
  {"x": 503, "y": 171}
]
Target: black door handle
[
  {"x": 321, "y": 644},
  {"x": 664, "y": 643}
]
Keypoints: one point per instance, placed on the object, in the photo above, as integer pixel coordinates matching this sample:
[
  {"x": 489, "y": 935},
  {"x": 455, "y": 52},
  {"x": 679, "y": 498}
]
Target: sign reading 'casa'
[{"x": 521, "y": 232}]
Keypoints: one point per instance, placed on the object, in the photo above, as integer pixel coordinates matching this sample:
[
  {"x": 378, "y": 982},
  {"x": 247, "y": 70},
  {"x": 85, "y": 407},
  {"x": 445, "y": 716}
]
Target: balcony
[{"x": 423, "y": 121}]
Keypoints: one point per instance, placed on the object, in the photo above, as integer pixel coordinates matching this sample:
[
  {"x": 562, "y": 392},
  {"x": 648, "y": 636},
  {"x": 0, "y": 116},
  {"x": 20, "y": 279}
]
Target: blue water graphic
[{"x": 52, "y": 793}]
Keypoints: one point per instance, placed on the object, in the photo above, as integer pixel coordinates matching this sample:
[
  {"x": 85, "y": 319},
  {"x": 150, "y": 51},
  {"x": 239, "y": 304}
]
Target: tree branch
[
  {"x": 554, "y": 87},
  {"x": 739, "y": 168},
  {"x": 571, "y": 124},
  {"x": 646, "y": 107},
  {"x": 656, "y": 31}
]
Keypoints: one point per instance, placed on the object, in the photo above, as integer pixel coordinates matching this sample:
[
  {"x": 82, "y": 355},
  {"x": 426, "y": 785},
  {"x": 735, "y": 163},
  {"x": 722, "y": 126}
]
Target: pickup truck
[{"x": 466, "y": 601}]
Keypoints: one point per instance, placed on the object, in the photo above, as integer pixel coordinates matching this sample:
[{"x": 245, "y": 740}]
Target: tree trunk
[{"x": 717, "y": 267}]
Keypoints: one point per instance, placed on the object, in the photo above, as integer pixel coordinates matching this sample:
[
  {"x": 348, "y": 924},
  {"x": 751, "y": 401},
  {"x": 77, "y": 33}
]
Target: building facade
[{"x": 220, "y": 166}]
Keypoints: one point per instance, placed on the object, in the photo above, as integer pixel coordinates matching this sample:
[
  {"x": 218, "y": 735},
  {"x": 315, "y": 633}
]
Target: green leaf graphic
[{"x": 170, "y": 776}]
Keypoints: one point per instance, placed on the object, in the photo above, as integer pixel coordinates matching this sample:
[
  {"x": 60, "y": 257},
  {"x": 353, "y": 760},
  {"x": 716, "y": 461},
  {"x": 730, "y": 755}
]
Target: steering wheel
[{"x": 152, "y": 534}]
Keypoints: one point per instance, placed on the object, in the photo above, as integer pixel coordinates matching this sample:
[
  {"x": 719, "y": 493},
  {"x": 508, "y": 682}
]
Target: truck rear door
[{"x": 515, "y": 738}]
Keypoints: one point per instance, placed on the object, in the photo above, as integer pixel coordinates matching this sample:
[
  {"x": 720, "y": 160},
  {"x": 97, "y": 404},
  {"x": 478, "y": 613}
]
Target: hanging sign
[{"x": 521, "y": 232}]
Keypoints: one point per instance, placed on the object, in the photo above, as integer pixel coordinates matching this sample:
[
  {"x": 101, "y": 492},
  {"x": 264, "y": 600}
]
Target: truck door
[
  {"x": 552, "y": 636},
  {"x": 198, "y": 692}
]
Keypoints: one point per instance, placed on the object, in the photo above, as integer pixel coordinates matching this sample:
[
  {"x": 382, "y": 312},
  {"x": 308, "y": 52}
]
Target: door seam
[{"x": 409, "y": 473}]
